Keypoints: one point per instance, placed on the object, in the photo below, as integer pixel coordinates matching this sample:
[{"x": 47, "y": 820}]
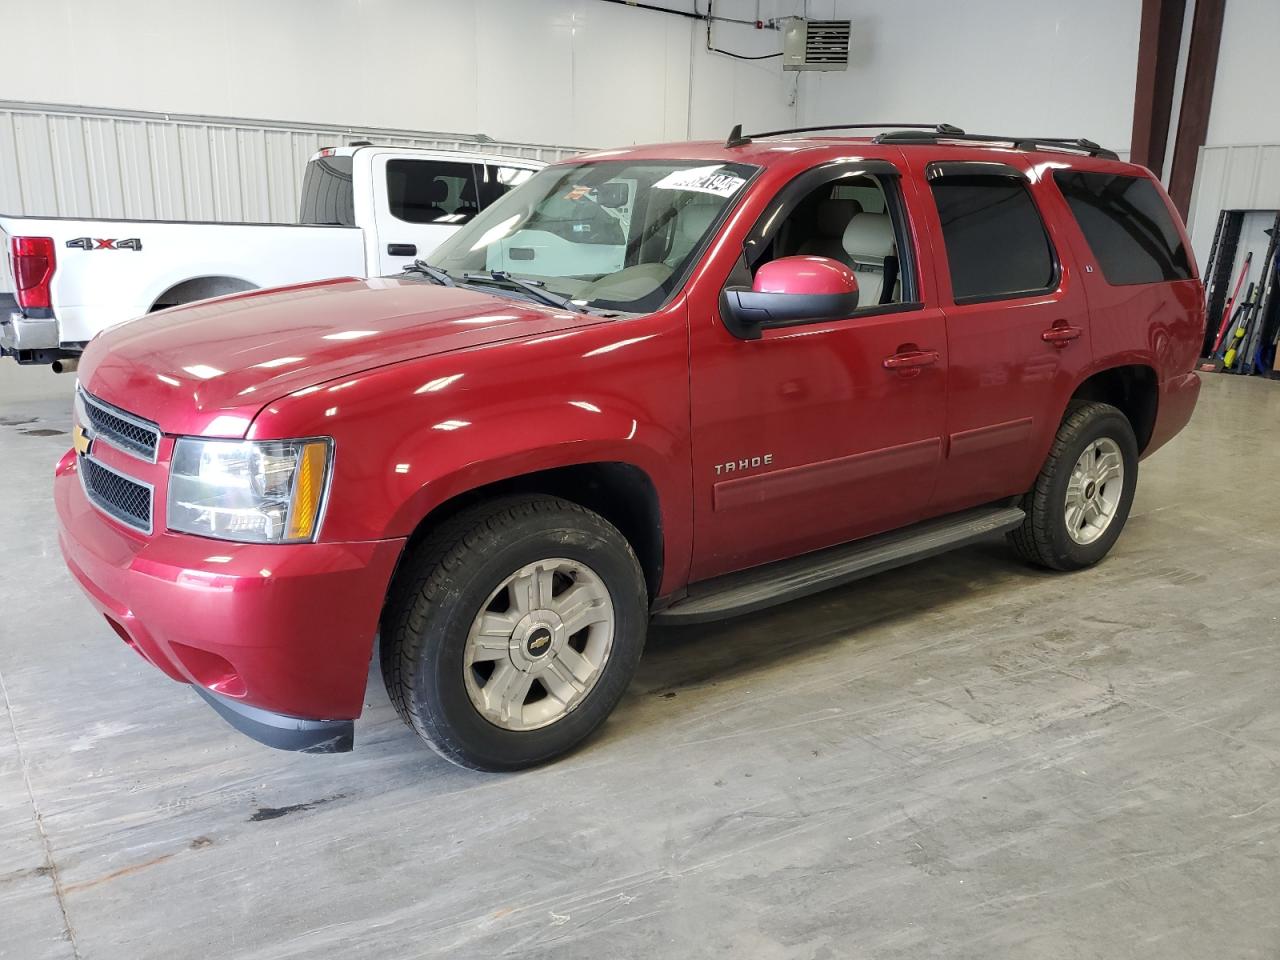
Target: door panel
[
  {"x": 823, "y": 433},
  {"x": 1012, "y": 365},
  {"x": 802, "y": 439}
]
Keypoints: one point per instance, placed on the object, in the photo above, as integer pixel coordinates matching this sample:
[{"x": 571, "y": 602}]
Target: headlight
[{"x": 269, "y": 491}]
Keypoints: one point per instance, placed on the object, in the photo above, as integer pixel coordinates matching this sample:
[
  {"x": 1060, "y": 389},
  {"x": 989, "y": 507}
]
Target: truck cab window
[
  {"x": 326, "y": 193},
  {"x": 432, "y": 191}
]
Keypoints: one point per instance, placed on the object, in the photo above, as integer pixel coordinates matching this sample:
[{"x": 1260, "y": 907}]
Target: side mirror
[
  {"x": 613, "y": 194},
  {"x": 790, "y": 290}
]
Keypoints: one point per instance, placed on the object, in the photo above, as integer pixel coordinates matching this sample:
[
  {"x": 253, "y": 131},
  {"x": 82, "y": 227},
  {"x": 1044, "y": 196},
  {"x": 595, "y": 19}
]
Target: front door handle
[
  {"x": 402, "y": 249},
  {"x": 1061, "y": 333},
  {"x": 909, "y": 361}
]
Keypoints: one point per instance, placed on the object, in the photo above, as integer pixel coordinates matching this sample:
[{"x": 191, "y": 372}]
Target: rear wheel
[
  {"x": 513, "y": 631},
  {"x": 1081, "y": 499}
]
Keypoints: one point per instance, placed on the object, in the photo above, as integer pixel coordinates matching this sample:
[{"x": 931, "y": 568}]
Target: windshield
[{"x": 617, "y": 234}]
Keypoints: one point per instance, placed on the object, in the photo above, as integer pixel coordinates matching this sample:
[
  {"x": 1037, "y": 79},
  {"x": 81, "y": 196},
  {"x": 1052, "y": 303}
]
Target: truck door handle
[
  {"x": 1061, "y": 333},
  {"x": 402, "y": 249},
  {"x": 909, "y": 360}
]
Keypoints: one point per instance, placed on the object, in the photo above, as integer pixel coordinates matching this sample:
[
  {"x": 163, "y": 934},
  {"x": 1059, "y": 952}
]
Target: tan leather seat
[
  {"x": 867, "y": 240},
  {"x": 830, "y": 221},
  {"x": 691, "y": 223}
]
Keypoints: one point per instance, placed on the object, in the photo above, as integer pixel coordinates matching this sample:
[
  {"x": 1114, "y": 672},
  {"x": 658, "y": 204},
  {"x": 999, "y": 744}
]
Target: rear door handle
[
  {"x": 911, "y": 360},
  {"x": 1061, "y": 333},
  {"x": 402, "y": 249}
]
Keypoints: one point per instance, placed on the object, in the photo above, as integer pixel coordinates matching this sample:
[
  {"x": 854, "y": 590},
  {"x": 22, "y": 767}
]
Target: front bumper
[
  {"x": 283, "y": 733},
  {"x": 276, "y": 637}
]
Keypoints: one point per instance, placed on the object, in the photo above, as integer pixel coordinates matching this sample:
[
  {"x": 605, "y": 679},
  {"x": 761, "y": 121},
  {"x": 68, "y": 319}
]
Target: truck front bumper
[{"x": 277, "y": 638}]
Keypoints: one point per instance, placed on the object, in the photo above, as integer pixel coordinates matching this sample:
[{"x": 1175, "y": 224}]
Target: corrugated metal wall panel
[
  {"x": 139, "y": 199},
  {"x": 10, "y": 186},
  {"x": 1236, "y": 177},
  {"x": 37, "y": 189},
  {"x": 86, "y": 162},
  {"x": 106, "y": 196},
  {"x": 166, "y": 171}
]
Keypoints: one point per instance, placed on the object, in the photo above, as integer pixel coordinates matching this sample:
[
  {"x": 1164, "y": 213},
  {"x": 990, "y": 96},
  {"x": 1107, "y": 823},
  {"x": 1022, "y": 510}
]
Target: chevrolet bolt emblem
[
  {"x": 538, "y": 642},
  {"x": 80, "y": 440}
]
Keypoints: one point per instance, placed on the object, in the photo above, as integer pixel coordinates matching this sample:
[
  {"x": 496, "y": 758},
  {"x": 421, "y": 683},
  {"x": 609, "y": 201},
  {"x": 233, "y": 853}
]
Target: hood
[{"x": 208, "y": 368}]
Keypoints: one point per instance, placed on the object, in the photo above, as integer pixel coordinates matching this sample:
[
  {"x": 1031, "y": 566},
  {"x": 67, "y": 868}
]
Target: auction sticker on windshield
[{"x": 702, "y": 180}]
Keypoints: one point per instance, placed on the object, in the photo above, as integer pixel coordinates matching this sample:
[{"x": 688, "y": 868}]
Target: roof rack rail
[
  {"x": 904, "y": 133},
  {"x": 1079, "y": 144},
  {"x": 738, "y": 139}
]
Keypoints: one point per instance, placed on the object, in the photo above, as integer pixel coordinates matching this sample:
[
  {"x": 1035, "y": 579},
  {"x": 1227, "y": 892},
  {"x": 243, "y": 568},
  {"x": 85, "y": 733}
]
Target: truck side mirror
[{"x": 788, "y": 291}]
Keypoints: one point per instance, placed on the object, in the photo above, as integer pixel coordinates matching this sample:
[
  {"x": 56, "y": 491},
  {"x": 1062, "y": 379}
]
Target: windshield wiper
[
  {"x": 535, "y": 288},
  {"x": 431, "y": 273}
]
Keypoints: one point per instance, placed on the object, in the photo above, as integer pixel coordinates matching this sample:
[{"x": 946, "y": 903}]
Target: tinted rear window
[
  {"x": 1127, "y": 225},
  {"x": 996, "y": 242},
  {"x": 326, "y": 192}
]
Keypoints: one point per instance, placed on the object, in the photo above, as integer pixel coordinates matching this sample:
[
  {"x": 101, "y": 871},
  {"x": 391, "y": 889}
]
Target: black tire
[
  {"x": 442, "y": 586},
  {"x": 1043, "y": 538}
]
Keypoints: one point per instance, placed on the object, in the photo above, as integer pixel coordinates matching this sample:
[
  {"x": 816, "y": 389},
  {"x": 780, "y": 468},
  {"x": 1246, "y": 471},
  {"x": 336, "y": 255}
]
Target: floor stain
[
  {"x": 44, "y": 433},
  {"x": 23, "y": 874},
  {"x": 15, "y": 421},
  {"x": 117, "y": 874},
  {"x": 196, "y": 844},
  {"x": 275, "y": 813}
]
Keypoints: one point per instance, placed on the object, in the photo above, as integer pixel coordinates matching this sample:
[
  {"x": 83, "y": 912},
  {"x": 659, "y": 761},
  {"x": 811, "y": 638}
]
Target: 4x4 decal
[{"x": 91, "y": 243}]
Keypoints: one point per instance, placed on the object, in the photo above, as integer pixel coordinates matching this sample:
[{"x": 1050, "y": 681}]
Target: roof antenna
[{"x": 736, "y": 139}]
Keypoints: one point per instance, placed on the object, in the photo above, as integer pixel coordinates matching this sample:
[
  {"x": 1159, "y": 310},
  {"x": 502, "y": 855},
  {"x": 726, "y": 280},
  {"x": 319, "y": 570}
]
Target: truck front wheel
[{"x": 513, "y": 630}]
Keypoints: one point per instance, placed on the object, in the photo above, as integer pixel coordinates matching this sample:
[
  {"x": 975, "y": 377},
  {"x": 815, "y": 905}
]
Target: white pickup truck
[{"x": 366, "y": 211}]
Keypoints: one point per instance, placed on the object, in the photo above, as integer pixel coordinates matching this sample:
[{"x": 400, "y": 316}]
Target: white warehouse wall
[
  {"x": 1244, "y": 88},
  {"x": 580, "y": 72},
  {"x": 1031, "y": 67},
  {"x": 1239, "y": 166}
]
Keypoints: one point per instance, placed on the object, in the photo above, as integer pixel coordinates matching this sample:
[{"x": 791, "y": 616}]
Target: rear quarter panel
[
  {"x": 1160, "y": 325},
  {"x": 1155, "y": 325}
]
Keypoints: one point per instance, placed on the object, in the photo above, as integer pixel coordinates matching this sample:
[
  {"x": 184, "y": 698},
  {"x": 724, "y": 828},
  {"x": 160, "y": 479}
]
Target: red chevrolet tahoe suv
[{"x": 672, "y": 382}]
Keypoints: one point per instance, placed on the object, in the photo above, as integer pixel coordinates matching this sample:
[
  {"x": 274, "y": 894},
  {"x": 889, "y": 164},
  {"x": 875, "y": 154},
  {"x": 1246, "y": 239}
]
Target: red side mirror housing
[
  {"x": 788, "y": 291},
  {"x": 806, "y": 276}
]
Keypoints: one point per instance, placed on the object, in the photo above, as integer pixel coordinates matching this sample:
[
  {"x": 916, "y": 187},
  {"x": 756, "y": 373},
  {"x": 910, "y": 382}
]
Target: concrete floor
[{"x": 965, "y": 759}]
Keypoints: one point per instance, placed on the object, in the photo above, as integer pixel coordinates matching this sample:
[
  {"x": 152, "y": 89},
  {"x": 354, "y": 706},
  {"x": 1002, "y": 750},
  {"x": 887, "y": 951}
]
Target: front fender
[
  {"x": 510, "y": 455},
  {"x": 410, "y": 436}
]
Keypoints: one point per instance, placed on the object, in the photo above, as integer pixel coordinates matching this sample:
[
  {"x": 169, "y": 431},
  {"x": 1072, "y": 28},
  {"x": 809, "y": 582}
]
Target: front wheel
[
  {"x": 513, "y": 631},
  {"x": 1081, "y": 498}
]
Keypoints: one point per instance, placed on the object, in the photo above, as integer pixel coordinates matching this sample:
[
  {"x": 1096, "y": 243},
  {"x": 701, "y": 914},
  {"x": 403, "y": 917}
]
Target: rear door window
[
  {"x": 997, "y": 247},
  {"x": 1127, "y": 226}
]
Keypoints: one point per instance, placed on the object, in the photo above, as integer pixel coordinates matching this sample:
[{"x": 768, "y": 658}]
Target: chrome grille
[
  {"x": 133, "y": 435},
  {"x": 128, "y": 500}
]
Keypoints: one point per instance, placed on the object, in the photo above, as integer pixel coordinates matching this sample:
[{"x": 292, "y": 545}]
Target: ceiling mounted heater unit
[{"x": 815, "y": 44}]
